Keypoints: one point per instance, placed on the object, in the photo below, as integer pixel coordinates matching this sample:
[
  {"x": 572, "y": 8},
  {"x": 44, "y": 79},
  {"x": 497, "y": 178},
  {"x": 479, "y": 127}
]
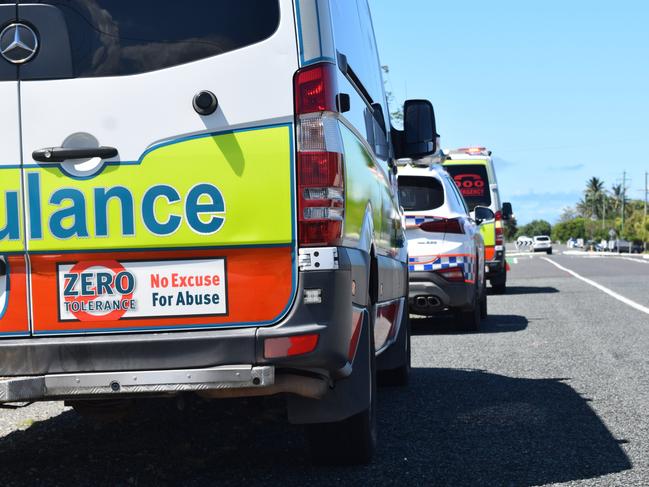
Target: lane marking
[
  {"x": 642, "y": 261},
  {"x": 604, "y": 289}
]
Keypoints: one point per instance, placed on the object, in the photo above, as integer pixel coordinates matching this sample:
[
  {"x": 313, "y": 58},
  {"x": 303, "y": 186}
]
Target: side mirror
[
  {"x": 507, "y": 211},
  {"x": 482, "y": 214},
  {"x": 419, "y": 129}
]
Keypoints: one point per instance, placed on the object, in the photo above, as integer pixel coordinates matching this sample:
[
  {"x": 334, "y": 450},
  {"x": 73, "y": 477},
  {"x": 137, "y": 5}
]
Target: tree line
[{"x": 600, "y": 214}]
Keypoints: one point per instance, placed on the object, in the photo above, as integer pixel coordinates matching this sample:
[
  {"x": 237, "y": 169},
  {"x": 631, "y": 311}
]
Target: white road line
[
  {"x": 632, "y": 259},
  {"x": 606, "y": 290}
]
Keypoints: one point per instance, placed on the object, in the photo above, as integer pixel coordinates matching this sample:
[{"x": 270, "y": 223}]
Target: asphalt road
[{"x": 554, "y": 389}]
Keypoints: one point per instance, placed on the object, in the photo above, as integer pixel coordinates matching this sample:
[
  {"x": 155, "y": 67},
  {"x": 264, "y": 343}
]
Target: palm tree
[
  {"x": 591, "y": 205},
  {"x": 594, "y": 186},
  {"x": 617, "y": 196}
]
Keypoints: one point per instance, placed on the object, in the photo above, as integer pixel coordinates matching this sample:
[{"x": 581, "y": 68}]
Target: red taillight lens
[
  {"x": 315, "y": 89},
  {"x": 321, "y": 198},
  {"x": 453, "y": 274},
  {"x": 320, "y": 171},
  {"x": 290, "y": 346},
  {"x": 443, "y": 225},
  {"x": 357, "y": 325},
  {"x": 500, "y": 233},
  {"x": 438, "y": 226}
]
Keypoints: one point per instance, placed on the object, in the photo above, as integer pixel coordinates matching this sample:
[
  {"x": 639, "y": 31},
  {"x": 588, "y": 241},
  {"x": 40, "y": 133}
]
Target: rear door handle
[{"x": 60, "y": 154}]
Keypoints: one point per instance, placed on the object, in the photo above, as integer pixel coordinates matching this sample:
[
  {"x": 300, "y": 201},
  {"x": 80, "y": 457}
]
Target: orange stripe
[
  {"x": 489, "y": 252},
  {"x": 15, "y": 319},
  {"x": 259, "y": 285}
]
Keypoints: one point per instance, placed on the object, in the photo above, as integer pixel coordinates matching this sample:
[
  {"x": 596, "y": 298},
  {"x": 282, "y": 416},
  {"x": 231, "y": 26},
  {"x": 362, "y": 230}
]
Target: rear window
[
  {"x": 473, "y": 183},
  {"x": 420, "y": 193},
  {"x": 542, "y": 239},
  {"x": 113, "y": 38}
]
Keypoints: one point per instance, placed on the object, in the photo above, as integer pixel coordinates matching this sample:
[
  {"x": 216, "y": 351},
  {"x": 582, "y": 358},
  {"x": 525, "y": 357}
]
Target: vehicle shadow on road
[
  {"x": 515, "y": 290},
  {"x": 444, "y": 324},
  {"x": 450, "y": 427}
]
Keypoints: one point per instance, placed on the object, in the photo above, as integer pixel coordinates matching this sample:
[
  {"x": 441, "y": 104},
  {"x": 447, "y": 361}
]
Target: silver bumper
[{"x": 63, "y": 386}]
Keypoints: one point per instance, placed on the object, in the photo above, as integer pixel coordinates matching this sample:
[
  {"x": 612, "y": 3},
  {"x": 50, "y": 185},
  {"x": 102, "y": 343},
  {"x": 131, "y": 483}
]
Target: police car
[
  {"x": 474, "y": 173},
  {"x": 445, "y": 246},
  {"x": 201, "y": 198}
]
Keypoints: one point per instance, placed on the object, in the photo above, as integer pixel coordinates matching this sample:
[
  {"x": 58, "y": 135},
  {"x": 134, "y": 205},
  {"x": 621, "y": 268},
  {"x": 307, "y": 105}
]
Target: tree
[
  {"x": 535, "y": 227},
  {"x": 511, "y": 228},
  {"x": 396, "y": 109},
  {"x": 575, "y": 228},
  {"x": 567, "y": 214}
]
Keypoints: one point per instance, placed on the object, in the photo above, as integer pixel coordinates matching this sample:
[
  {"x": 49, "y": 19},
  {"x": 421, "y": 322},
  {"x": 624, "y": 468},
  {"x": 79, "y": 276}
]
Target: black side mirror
[
  {"x": 482, "y": 214},
  {"x": 419, "y": 129},
  {"x": 507, "y": 211}
]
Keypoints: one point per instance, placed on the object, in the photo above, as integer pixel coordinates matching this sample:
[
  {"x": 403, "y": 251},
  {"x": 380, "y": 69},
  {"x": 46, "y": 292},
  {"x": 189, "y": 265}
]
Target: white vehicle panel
[
  {"x": 9, "y": 136},
  {"x": 135, "y": 112}
]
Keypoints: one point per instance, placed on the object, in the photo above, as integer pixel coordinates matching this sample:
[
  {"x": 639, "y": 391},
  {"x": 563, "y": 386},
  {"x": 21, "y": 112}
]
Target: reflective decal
[{"x": 111, "y": 290}]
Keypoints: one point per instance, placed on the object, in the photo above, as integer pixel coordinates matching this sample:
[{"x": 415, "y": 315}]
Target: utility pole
[
  {"x": 623, "y": 207},
  {"x": 623, "y": 199},
  {"x": 644, "y": 219}
]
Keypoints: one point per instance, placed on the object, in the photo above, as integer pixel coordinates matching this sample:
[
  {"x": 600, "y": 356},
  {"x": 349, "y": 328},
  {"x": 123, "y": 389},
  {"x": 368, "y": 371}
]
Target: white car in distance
[{"x": 542, "y": 243}]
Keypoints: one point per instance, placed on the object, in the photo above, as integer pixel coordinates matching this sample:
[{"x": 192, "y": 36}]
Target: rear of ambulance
[{"x": 151, "y": 229}]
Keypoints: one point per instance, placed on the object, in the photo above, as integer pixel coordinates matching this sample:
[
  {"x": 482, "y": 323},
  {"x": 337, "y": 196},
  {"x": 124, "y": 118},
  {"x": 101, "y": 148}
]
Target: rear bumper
[
  {"x": 209, "y": 349},
  {"x": 66, "y": 386},
  {"x": 430, "y": 285}
]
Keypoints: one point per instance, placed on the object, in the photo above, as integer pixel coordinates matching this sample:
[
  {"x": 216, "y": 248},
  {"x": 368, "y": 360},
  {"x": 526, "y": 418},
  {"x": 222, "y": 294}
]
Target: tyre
[
  {"x": 353, "y": 440},
  {"x": 468, "y": 319},
  {"x": 483, "y": 303},
  {"x": 400, "y": 375},
  {"x": 549, "y": 251},
  {"x": 499, "y": 282}
]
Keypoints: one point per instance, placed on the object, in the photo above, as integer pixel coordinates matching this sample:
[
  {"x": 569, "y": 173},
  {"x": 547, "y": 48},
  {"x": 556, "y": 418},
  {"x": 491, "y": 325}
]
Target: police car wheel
[
  {"x": 483, "y": 303},
  {"x": 499, "y": 283},
  {"x": 468, "y": 319}
]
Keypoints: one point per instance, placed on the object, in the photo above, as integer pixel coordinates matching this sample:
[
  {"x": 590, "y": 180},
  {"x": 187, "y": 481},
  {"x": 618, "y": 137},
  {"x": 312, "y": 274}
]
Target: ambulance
[
  {"x": 201, "y": 198},
  {"x": 473, "y": 170}
]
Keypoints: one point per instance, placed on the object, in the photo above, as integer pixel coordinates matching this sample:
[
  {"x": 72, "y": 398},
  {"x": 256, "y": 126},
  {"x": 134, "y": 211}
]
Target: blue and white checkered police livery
[
  {"x": 434, "y": 263},
  {"x": 415, "y": 221}
]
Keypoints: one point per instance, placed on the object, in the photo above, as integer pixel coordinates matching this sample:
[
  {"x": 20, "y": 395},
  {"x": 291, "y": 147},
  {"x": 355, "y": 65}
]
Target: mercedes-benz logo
[{"x": 18, "y": 43}]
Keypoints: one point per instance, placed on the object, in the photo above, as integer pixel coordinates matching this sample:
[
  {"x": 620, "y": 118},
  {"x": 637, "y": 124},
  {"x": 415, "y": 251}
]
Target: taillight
[
  {"x": 320, "y": 165},
  {"x": 453, "y": 274},
  {"x": 290, "y": 346},
  {"x": 500, "y": 232},
  {"x": 443, "y": 225},
  {"x": 316, "y": 89}
]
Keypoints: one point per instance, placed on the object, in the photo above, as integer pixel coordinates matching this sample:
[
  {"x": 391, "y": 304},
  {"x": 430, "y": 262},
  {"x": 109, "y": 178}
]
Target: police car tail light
[
  {"x": 500, "y": 232},
  {"x": 320, "y": 165},
  {"x": 443, "y": 225},
  {"x": 454, "y": 274}
]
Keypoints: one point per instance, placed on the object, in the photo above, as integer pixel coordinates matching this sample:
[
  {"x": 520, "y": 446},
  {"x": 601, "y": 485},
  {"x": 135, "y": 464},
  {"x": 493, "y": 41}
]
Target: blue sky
[{"x": 558, "y": 90}]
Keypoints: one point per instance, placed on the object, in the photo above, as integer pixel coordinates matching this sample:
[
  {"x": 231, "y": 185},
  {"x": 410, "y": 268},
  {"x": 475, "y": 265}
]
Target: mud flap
[
  {"x": 396, "y": 354},
  {"x": 348, "y": 397}
]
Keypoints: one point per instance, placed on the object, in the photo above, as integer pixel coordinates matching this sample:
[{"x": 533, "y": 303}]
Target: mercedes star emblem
[{"x": 18, "y": 43}]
